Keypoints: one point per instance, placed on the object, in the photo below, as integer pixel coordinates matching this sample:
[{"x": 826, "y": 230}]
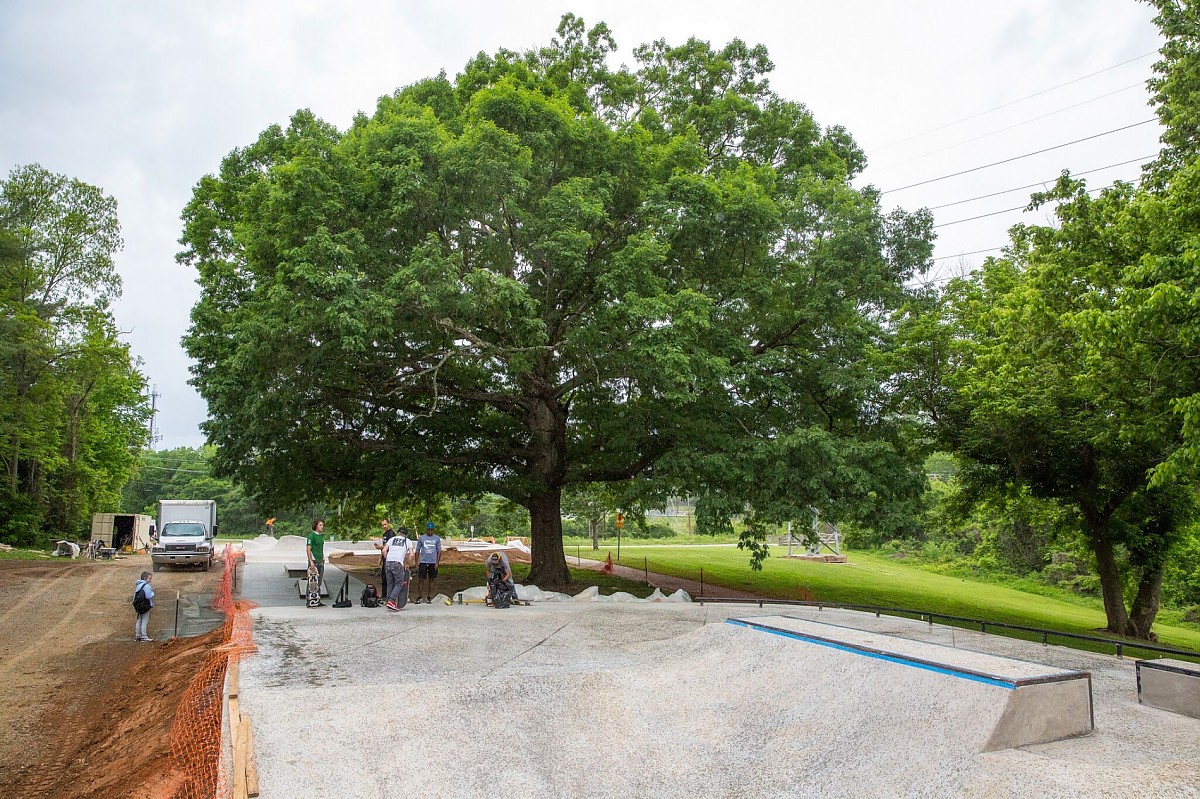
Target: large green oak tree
[{"x": 549, "y": 272}]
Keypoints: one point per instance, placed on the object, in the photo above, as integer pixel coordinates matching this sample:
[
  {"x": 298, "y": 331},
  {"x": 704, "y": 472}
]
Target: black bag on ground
[
  {"x": 140, "y": 602},
  {"x": 503, "y": 593},
  {"x": 370, "y": 599}
]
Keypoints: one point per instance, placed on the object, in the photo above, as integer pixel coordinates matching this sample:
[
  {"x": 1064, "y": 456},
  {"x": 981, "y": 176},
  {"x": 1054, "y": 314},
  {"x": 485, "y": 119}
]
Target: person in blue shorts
[{"x": 429, "y": 555}]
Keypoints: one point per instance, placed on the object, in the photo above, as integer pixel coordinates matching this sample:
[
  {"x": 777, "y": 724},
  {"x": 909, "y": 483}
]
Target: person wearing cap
[
  {"x": 397, "y": 556},
  {"x": 429, "y": 555},
  {"x": 501, "y": 590}
]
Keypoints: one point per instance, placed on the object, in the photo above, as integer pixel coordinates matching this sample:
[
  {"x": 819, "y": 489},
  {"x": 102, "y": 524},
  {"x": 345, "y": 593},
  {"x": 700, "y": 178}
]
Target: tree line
[{"x": 73, "y": 407}]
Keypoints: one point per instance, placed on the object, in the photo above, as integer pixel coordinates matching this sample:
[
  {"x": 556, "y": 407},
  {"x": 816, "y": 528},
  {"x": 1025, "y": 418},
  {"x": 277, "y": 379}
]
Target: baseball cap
[{"x": 428, "y": 525}]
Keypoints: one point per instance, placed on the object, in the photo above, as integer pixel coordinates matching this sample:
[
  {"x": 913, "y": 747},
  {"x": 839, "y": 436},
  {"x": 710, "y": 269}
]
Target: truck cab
[
  {"x": 186, "y": 533},
  {"x": 183, "y": 543}
]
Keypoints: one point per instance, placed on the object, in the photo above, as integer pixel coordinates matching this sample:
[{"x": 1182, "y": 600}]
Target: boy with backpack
[{"x": 143, "y": 600}]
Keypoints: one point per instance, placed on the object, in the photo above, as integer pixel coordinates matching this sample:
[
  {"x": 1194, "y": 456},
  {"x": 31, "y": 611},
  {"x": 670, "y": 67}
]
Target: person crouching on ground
[
  {"x": 397, "y": 556},
  {"x": 429, "y": 555},
  {"x": 501, "y": 591},
  {"x": 143, "y": 616}
]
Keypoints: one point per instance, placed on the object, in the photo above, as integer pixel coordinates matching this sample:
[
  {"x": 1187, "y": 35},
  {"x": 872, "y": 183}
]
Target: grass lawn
[
  {"x": 875, "y": 580},
  {"x": 24, "y": 554}
]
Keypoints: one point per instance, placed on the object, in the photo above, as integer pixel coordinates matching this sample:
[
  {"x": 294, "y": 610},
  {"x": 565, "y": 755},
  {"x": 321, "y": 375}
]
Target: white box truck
[{"x": 186, "y": 532}]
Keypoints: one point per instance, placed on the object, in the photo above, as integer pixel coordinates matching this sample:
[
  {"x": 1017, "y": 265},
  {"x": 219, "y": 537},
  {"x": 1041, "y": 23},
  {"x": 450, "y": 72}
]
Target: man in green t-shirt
[{"x": 316, "y": 548}]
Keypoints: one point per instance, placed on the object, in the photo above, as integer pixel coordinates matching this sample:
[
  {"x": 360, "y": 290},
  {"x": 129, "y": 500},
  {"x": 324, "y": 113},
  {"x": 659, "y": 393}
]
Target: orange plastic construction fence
[{"x": 196, "y": 750}]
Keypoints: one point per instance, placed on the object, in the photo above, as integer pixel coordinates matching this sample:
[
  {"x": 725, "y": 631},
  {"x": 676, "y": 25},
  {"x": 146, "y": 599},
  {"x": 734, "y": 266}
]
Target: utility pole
[{"x": 155, "y": 436}]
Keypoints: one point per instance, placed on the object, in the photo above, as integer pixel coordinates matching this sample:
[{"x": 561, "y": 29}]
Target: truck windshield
[{"x": 183, "y": 529}]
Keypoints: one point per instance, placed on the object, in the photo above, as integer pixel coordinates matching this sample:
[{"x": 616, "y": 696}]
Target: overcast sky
[{"x": 144, "y": 98}]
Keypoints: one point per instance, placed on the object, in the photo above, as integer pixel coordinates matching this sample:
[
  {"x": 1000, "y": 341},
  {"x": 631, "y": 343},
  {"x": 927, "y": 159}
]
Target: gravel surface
[{"x": 582, "y": 699}]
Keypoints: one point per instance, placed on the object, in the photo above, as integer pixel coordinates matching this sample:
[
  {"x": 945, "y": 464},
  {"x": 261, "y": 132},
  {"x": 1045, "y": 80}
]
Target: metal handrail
[{"x": 926, "y": 615}]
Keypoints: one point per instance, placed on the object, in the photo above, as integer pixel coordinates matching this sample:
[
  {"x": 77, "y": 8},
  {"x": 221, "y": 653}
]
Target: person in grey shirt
[
  {"x": 429, "y": 555},
  {"x": 397, "y": 555}
]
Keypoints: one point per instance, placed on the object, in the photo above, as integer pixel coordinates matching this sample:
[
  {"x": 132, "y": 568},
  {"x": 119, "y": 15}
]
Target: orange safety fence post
[{"x": 196, "y": 743}]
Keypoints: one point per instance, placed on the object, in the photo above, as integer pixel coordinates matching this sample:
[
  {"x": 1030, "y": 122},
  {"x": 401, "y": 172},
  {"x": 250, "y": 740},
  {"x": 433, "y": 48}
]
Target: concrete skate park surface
[{"x": 599, "y": 699}]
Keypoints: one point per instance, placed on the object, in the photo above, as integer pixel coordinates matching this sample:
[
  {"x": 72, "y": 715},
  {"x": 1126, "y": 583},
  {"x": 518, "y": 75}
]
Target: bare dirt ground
[
  {"x": 459, "y": 569},
  {"x": 87, "y": 711}
]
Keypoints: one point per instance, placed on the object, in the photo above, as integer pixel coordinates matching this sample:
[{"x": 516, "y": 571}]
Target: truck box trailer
[{"x": 122, "y": 531}]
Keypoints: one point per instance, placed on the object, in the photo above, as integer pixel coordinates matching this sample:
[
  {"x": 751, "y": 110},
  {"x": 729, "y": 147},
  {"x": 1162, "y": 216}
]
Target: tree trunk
[
  {"x": 548, "y": 556},
  {"x": 14, "y": 467},
  {"x": 594, "y": 526},
  {"x": 1110, "y": 576},
  {"x": 1145, "y": 604},
  {"x": 548, "y": 437}
]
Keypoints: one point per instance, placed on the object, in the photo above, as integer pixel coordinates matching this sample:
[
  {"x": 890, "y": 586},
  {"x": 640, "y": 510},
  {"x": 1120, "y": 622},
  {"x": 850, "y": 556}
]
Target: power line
[
  {"x": 923, "y": 156},
  {"x": 1141, "y": 160},
  {"x": 965, "y": 254},
  {"x": 158, "y": 459},
  {"x": 1009, "y": 210},
  {"x": 1019, "y": 157},
  {"x": 173, "y": 469},
  {"x": 1014, "y": 102}
]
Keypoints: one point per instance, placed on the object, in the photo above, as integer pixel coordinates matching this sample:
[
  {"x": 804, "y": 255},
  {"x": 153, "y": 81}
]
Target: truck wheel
[
  {"x": 208, "y": 564},
  {"x": 156, "y": 566}
]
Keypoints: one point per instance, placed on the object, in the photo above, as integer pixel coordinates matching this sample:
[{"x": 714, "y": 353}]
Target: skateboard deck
[
  {"x": 402, "y": 594},
  {"x": 488, "y": 602},
  {"x": 314, "y": 589}
]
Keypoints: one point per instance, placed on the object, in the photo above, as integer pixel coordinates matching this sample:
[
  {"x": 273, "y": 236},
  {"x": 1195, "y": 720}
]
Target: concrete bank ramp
[
  {"x": 611, "y": 700},
  {"x": 1011, "y": 702}
]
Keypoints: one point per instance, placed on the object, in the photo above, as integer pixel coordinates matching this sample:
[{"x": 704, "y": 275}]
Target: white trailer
[{"x": 122, "y": 531}]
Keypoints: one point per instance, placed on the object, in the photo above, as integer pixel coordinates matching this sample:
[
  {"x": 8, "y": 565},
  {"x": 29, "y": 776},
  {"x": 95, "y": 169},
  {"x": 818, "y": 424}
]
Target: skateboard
[
  {"x": 488, "y": 602},
  {"x": 314, "y": 589}
]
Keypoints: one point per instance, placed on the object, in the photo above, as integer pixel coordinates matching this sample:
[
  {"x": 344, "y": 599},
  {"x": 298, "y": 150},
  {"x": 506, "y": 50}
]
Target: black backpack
[
  {"x": 141, "y": 603},
  {"x": 369, "y": 598}
]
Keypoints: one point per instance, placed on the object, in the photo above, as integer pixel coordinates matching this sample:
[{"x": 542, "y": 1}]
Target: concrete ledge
[
  {"x": 1032, "y": 703},
  {"x": 1168, "y": 684}
]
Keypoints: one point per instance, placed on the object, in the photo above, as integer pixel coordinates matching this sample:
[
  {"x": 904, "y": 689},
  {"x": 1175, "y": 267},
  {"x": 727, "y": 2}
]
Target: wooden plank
[
  {"x": 231, "y": 679},
  {"x": 251, "y": 761},
  {"x": 240, "y": 789},
  {"x": 235, "y": 715}
]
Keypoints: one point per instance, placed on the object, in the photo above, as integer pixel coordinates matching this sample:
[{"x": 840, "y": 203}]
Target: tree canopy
[
  {"x": 1071, "y": 363},
  {"x": 547, "y": 273},
  {"x": 72, "y": 405}
]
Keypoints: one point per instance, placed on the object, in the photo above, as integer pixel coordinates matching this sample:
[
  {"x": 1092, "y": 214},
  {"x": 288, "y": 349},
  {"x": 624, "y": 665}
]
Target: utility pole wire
[
  {"x": 989, "y": 134},
  {"x": 1009, "y": 210},
  {"x": 1014, "y": 102},
  {"x": 1019, "y": 157},
  {"x": 1141, "y": 160}
]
